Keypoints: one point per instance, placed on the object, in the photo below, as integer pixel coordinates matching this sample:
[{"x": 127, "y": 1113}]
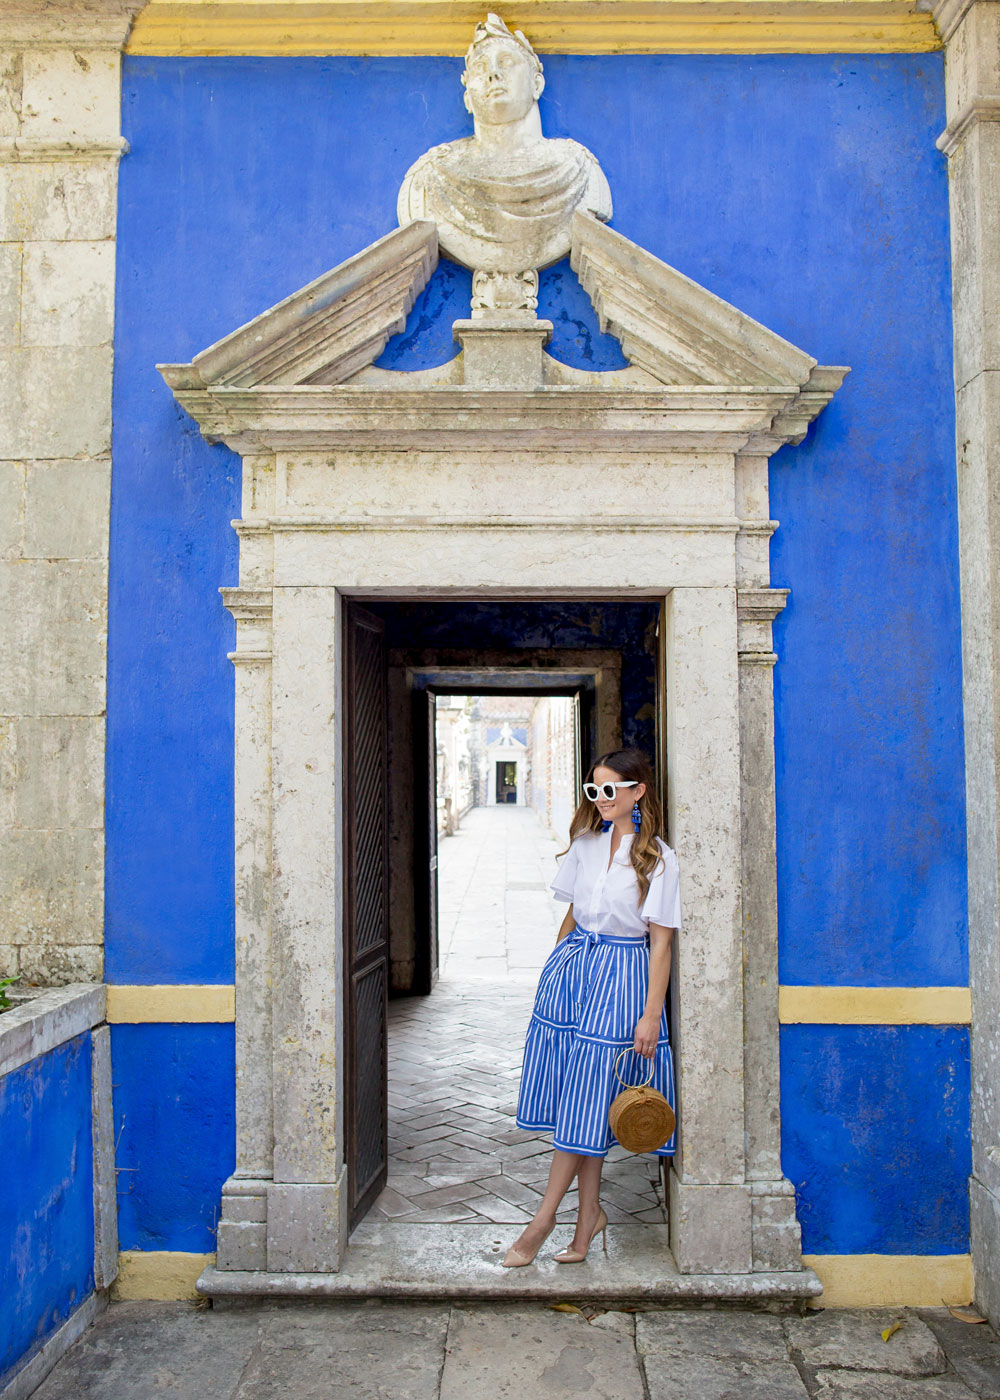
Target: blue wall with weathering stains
[
  {"x": 875, "y": 1136},
  {"x": 806, "y": 190},
  {"x": 175, "y": 1132},
  {"x": 47, "y": 1200}
]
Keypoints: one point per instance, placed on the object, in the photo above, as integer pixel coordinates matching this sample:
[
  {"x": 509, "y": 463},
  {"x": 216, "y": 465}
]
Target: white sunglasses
[{"x": 609, "y": 791}]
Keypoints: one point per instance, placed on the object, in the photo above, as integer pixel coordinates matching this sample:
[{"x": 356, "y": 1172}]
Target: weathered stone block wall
[
  {"x": 972, "y": 144},
  {"x": 59, "y": 148}
]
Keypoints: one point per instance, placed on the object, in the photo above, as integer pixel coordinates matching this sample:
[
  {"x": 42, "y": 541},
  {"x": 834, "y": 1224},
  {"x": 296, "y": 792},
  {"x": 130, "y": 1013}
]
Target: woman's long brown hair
[{"x": 630, "y": 765}]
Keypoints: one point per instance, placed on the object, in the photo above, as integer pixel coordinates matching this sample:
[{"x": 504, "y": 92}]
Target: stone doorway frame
[
  {"x": 279, "y": 1213},
  {"x": 505, "y": 474}
]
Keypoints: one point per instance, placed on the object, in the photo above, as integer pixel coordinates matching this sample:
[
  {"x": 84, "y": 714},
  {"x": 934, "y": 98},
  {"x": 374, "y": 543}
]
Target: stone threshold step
[{"x": 462, "y": 1262}]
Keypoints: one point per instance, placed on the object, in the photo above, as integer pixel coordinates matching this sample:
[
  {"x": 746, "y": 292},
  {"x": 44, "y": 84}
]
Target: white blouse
[{"x": 605, "y": 897}]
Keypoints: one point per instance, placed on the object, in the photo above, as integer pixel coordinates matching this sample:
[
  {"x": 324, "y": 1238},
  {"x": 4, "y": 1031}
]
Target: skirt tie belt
[{"x": 582, "y": 942}]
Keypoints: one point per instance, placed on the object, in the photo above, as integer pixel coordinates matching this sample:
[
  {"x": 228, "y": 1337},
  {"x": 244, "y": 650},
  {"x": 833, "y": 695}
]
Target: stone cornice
[
  {"x": 977, "y": 109},
  {"x": 68, "y": 23},
  {"x": 948, "y": 15},
  {"x": 277, "y": 418},
  {"x": 192, "y": 27}
]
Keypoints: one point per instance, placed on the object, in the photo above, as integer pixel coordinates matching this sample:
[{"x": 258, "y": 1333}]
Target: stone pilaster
[
  {"x": 59, "y": 147},
  {"x": 777, "y": 1239},
  {"x": 971, "y": 141},
  {"x": 709, "y": 1201},
  {"x": 306, "y": 1209}
]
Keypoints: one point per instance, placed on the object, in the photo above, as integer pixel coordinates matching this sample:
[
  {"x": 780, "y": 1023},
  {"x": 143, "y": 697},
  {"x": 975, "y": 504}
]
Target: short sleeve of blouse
[
  {"x": 662, "y": 904},
  {"x": 562, "y": 886}
]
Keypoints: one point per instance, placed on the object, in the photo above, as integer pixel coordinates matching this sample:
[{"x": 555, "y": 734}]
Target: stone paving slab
[
  {"x": 136, "y": 1351},
  {"x": 695, "y": 1377},
  {"x": 878, "y": 1385},
  {"x": 853, "y": 1340},
  {"x": 733, "y": 1335},
  {"x": 974, "y": 1351},
  {"x": 368, "y": 1353},
  {"x": 514, "y": 1354}
]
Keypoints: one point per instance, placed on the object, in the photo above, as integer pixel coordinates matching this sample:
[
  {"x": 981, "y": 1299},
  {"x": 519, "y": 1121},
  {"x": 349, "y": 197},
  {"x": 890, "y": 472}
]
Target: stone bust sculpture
[{"x": 504, "y": 197}]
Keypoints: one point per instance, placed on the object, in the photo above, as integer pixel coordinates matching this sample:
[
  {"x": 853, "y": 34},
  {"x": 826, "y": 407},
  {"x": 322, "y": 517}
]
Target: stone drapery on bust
[{"x": 503, "y": 199}]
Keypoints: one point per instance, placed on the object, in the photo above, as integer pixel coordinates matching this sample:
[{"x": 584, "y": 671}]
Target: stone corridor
[{"x": 455, "y": 1057}]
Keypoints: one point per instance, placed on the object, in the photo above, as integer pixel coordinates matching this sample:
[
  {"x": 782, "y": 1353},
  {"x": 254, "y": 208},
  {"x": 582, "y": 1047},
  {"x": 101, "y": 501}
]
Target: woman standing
[{"x": 602, "y": 990}]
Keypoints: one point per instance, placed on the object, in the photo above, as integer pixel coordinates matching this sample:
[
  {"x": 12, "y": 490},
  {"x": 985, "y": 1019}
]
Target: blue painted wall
[
  {"x": 807, "y": 191},
  {"x": 47, "y": 1201},
  {"x": 875, "y": 1137},
  {"x": 175, "y": 1132}
]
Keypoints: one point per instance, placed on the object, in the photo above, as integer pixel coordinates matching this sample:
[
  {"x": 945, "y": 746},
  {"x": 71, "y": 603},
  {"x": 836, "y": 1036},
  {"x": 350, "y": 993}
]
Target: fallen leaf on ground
[
  {"x": 966, "y": 1315},
  {"x": 564, "y": 1307},
  {"x": 887, "y": 1332}
]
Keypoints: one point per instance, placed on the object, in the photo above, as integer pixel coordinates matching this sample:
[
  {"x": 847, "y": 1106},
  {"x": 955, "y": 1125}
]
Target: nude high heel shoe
[
  {"x": 572, "y": 1256},
  {"x": 515, "y": 1259}
]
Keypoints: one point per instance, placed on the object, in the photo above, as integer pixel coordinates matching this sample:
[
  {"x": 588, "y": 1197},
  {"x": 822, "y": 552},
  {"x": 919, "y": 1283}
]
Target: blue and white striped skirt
[{"x": 591, "y": 994}]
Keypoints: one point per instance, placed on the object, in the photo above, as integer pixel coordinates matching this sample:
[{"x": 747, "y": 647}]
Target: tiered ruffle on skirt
[{"x": 591, "y": 994}]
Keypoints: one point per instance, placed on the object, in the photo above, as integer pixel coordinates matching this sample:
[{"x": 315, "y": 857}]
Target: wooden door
[
  {"x": 425, "y": 845},
  {"x": 366, "y": 926}
]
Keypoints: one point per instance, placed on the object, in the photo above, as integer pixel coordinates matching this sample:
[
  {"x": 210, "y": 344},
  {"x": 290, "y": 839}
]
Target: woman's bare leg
[
  {"x": 589, "y": 1186},
  {"x": 562, "y": 1170}
]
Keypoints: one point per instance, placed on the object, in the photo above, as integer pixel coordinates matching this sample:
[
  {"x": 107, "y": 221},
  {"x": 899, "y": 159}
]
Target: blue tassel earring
[
  {"x": 636, "y": 818},
  {"x": 605, "y": 826}
]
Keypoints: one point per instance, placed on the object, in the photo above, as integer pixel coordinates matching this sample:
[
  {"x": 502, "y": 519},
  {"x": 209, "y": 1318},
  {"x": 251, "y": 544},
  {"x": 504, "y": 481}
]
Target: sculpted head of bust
[
  {"x": 503, "y": 198},
  {"x": 503, "y": 77}
]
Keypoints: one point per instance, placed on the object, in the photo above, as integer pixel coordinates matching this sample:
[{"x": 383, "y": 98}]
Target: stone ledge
[
  {"x": 20, "y": 149},
  {"x": 47, "y": 1020},
  {"x": 462, "y": 1261}
]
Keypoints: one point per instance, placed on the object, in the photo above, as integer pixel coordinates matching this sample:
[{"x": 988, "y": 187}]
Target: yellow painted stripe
[
  {"x": 849, "y": 1280},
  {"x": 892, "y": 1280},
  {"x": 171, "y": 1003},
  {"x": 203, "y": 27},
  {"x": 158, "y": 1275},
  {"x": 875, "y": 1006}
]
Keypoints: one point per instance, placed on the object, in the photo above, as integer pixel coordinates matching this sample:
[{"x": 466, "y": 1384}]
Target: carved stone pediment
[
  {"x": 301, "y": 374},
  {"x": 328, "y": 329},
  {"x": 672, "y": 327}
]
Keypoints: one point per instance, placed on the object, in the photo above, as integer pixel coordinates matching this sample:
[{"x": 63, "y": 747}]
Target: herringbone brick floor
[{"x": 455, "y": 1056}]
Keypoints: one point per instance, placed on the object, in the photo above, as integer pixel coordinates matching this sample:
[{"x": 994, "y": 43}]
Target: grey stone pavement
[
  {"x": 456, "y": 1158},
  {"x": 394, "y": 1351}
]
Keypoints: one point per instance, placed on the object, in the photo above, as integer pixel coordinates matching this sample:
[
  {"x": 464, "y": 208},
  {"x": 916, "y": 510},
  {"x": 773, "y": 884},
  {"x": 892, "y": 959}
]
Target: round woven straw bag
[{"x": 640, "y": 1117}]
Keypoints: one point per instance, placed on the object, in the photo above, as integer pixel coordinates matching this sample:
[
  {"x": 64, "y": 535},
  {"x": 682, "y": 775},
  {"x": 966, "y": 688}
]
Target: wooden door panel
[
  {"x": 370, "y": 1135},
  {"x": 425, "y": 845},
  {"x": 366, "y": 943}
]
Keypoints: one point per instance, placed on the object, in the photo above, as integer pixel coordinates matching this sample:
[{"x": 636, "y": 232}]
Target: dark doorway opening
[
  {"x": 604, "y": 657},
  {"x": 506, "y": 781}
]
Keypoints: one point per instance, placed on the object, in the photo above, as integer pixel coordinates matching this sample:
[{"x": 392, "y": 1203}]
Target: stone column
[
  {"x": 59, "y": 147},
  {"x": 709, "y": 1200},
  {"x": 972, "y": 143}
]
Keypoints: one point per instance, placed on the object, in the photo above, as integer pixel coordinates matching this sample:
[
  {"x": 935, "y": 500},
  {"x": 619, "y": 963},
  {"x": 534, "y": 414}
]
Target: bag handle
[{"x": 645, "y": 1082}]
